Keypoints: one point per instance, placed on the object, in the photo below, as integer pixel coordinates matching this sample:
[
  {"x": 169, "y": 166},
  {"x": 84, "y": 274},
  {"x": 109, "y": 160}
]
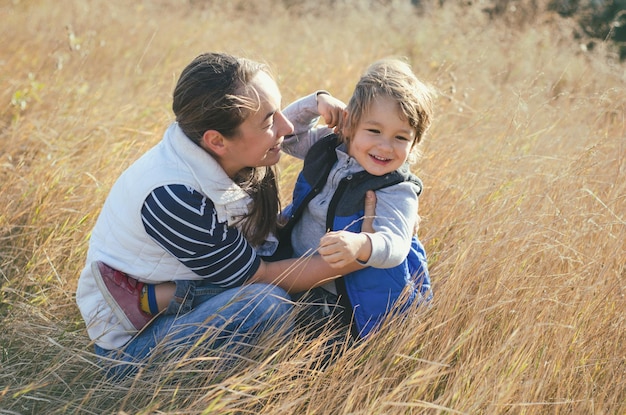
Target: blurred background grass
[{"x": 523, "y": 211}]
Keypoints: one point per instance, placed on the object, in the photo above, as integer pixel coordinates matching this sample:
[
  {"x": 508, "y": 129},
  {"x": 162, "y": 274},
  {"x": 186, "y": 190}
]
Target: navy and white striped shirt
[{"x": 184, "y": 223}]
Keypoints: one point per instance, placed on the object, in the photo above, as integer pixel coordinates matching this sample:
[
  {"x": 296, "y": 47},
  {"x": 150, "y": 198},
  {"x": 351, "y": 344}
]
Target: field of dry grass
[{"x": 524, "y": 209}]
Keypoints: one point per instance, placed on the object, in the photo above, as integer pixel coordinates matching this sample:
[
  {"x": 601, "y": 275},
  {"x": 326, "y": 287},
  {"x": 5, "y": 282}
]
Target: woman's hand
[
  {"x": 330, "y": 108},
  {"x": 369, "y": 212}
]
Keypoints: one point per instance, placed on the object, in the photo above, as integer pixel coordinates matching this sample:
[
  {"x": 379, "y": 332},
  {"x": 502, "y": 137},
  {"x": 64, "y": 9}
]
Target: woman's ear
[{"x": 214, "y": 142}]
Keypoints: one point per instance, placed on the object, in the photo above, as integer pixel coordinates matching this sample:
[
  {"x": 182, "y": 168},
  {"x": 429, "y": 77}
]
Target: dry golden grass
[{"x": 524, "y": 212}]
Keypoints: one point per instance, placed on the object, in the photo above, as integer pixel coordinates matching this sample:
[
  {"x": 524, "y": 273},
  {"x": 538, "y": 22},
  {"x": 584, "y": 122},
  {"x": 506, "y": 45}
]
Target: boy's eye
[
  {"x": 373, "y": 130},
  {"x": 402, "y": 138}
]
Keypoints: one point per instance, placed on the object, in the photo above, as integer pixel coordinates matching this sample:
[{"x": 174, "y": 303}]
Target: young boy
[{"x": 387, "y": 116}]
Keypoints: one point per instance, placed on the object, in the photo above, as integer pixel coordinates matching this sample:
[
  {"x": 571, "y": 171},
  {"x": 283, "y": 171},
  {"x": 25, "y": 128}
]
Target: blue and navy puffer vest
[{"x": 370, "y": 293}]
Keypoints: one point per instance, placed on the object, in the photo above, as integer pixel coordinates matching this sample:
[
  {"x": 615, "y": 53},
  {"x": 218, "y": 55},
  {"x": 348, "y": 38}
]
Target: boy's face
[{"x": 382, "y": 139}]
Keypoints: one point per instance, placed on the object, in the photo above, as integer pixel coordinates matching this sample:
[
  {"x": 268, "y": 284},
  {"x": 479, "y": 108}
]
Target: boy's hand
[
  {"x": 341, "y": 248},
  {"x": 330, "y": 108}
]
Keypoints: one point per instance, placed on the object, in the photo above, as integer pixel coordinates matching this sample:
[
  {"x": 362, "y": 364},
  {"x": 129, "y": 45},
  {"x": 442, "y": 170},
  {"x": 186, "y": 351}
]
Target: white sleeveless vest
[{"x": 120, "y": 240}]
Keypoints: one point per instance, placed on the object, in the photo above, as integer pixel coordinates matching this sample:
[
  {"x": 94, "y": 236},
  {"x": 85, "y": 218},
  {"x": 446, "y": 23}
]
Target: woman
[{"x": 201, "y": 205}]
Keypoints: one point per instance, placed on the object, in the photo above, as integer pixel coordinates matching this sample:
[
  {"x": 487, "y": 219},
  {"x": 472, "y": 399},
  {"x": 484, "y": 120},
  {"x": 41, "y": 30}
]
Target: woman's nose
[{"x": 285, "y": 127}]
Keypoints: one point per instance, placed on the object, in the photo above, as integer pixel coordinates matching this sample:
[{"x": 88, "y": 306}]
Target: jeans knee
[
  {"x": 276, "y": 297},
  {"x": 266, "y": 302}
]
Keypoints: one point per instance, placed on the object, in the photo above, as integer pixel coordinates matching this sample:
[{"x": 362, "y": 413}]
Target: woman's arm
[
  {"x": 293, "y": 275},
  {"x": 300, "y": 274}
]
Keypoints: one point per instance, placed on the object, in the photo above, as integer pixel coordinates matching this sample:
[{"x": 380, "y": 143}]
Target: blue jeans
[{"x": 207, "y": 318}]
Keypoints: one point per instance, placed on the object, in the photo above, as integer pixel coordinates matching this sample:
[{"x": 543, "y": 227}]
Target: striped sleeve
[{"x": 184, "y": 223}]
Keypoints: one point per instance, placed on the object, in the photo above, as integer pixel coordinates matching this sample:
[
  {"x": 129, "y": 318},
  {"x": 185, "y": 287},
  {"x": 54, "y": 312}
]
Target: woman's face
[{"x": 260, "y": 136}]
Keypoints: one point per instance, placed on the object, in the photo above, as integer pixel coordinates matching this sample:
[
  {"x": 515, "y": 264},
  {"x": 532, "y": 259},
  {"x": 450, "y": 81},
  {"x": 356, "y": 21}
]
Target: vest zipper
[{"x": 340, "y": 283}]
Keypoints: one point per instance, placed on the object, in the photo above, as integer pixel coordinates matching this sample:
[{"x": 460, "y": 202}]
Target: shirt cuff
[
  {"x": 366, "y": 263},
  {"x": 320, "y": 92}
]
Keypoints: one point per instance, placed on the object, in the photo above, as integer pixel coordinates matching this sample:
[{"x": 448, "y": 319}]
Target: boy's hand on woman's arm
[
  {"x": 340, "y": 248},
  {"x": 301, "y": 274}
]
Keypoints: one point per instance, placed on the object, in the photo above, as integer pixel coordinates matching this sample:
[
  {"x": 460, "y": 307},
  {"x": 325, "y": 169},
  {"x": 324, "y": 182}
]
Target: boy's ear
[{"x": 214, "y": 142}]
